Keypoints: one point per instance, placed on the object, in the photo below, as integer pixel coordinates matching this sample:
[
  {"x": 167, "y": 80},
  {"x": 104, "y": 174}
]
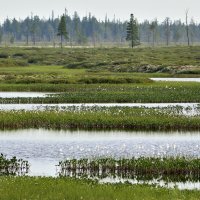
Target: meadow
[
  {"x": 157, "y": 92},
  {"x": 160, "y": 59},
  {"x": 73, "y": 189},
  {"x": 100, "y": 75}
]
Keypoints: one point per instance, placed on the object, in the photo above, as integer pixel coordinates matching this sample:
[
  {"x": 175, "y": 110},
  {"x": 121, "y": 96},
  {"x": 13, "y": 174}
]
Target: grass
[
  {"x": 62, "y": 188},
  {"x": 98, "y": 65},
  {"x": 101, "y": 118},
  {"x": 115, "y": 58},
  {"x": 110, "y": 93}
]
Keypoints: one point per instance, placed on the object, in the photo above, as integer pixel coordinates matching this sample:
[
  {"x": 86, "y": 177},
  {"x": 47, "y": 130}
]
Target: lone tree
[
  {"x": 62, "y": 30},
  {"x": 133, "y": 32}
]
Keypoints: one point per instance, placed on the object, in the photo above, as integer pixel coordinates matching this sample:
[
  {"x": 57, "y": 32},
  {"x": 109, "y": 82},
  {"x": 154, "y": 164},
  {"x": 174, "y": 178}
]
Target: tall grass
[{"x": 101, "y": 118}]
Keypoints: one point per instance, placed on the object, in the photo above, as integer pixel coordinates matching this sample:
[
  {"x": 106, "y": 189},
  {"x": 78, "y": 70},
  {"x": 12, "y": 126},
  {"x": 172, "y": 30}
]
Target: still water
[
  {"x": 177, "y": 79},
  {"x": 24, "y": 94},
  {"x": 45, "y": 148}
]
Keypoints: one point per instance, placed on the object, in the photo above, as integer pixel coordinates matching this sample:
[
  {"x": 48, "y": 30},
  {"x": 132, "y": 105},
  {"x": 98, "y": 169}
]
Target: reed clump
[
  {"x": 99, "y": 118},
  {"x": 141, "y": 165},
  {"x": 13, "y": 166}
]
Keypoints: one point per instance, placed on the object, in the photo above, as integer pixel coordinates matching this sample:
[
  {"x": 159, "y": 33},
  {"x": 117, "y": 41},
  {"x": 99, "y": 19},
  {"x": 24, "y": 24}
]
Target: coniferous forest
[{"x": 91, "y": 31}]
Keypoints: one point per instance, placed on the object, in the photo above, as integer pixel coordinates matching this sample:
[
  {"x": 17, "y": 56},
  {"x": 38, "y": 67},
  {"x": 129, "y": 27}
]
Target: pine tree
[
  {"x": 133, "y": 32},
  {"x": 62, "y": 30}
]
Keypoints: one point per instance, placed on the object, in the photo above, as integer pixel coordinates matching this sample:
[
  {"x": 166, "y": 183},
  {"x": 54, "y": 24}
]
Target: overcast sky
[{"x": 142, "y": 9}]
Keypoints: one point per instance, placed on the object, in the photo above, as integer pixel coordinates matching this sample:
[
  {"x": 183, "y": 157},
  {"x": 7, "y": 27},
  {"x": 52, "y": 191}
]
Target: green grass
[
  {"x": 61, "y": 188},
  {"x": 39, "y": 65},
  {"x": 110, "y": 93},
  {"x": 104, "y": 57},
  {"x": 101, "y": 118}
]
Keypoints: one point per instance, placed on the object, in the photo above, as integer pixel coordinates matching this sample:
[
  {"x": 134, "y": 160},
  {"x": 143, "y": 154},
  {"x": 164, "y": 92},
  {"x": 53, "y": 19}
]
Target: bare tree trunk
[
  {"x": 61, "y": 41},
  {"x": 27, "y": 39},
  {"x": 34, "y": 39},
  {"x": 187, "y": 28},
  {"x": 167, "y": 32},
  {"x": 153, "y": 38}
]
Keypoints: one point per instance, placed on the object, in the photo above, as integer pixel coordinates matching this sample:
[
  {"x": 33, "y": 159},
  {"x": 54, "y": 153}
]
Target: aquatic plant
[
  {"x": 101, "y": 118},
  {"x": 13, "y": 166},
  {"x": 142, "y": 168}
]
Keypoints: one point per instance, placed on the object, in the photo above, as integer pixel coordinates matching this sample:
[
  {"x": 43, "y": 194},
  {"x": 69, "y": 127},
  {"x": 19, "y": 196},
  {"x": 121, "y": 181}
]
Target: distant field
[
  {"x": 175, "y": 60},
  {"x": 96, "y": 65}
]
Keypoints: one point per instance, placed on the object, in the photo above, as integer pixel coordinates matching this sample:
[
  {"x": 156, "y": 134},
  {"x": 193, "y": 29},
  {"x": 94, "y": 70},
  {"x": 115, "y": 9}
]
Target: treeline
[{"x": 91, "y": 31}]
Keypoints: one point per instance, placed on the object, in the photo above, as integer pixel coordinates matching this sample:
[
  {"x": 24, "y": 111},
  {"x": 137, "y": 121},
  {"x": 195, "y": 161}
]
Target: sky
[{"x": 121, "y": 9}]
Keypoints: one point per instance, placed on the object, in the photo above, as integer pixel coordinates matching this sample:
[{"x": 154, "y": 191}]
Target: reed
[
  {"x": 101, "y": 118},
  {"x": 13, "y": 166},
  {"x": 135, "y": 168}
]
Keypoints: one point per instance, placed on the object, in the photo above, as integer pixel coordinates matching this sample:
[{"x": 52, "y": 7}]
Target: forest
[{"x": 89, "y": 31}]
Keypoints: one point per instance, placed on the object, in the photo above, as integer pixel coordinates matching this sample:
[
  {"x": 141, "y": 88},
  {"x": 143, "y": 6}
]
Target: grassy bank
[
  {"x": 60, "y": 189},
  {"x": 101, "y": 118},
  {"x": 109, "y": 93}
]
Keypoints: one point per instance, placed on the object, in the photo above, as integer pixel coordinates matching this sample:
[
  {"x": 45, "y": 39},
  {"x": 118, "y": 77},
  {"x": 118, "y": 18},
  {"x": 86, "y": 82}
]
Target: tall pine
[
  {"x": 133, "y": 32},
  {"x": 62, "y": 30}
]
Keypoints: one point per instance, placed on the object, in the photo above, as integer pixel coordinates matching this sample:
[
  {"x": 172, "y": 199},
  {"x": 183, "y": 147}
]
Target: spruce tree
[
  {"x": 62, "y": 30},
  {"x": 133, "y": 32}
]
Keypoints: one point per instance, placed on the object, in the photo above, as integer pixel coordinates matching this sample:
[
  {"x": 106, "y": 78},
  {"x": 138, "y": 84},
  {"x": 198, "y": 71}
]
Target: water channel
[
  {"x": 177, "y": 79},
  {"x": 45, "y": 148},
  {"x": 24, "y": 94}
]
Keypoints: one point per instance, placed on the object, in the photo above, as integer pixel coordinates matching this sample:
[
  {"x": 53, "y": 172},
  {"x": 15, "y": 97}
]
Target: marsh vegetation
[{"x": 89, "y": 75}]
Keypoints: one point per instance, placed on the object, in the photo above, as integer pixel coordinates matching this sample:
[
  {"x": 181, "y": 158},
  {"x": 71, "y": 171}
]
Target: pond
[
  {"x": 45, "y": 148},
  {"x": 177, "y": 79},
  {"x": 24, "y": 94}
]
